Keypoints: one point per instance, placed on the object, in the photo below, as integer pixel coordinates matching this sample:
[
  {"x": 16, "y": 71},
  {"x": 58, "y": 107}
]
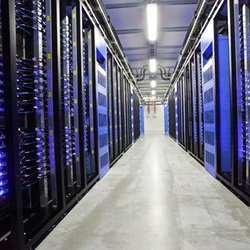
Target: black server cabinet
[
  {"x": 136, "y": 112},
  {"x": 200, "y": 106},
  {"x": 110, "y": 106},
  {"x": 189, "y": 111},
  {"x": 69, "y": 101},
  {"x": 123, "y": 121},
  {"x": 88, "y": 106},
  {"x": 195, "y": 111},
  {"x": 241, "y": 176},
  {"x": 35, "y": 114},
  {"x": 115, "y": 109},
  {"x": 125, "y": 112},
  {"x": 7, "y": 170},
  {"x": 119, "y": 110},
  {"x": 129, "y": 114},
  {"x": 172, "y": 115}
]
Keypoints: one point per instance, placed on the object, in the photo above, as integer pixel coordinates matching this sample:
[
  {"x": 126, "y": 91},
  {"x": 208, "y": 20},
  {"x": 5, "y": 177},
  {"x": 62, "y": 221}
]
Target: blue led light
[{"x": 3, "y": 161}]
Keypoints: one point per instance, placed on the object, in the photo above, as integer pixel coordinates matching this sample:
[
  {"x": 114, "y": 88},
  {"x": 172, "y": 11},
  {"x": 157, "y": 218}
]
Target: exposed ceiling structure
[{"x": 130, "y": 22}]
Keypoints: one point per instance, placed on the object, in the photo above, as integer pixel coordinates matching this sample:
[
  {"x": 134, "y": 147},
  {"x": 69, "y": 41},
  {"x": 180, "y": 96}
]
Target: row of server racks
[
  {"x": 67, "y": 112},
  {"x": 208, "y": 107}
]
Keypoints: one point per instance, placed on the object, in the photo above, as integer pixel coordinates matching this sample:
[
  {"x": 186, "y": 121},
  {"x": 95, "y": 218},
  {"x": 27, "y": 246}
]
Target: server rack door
[
  {"x": 132, "y": 116},
  {"x": 223, "y": 95},
  {"x": 176, "y": 112},
  {"x": 179, "y": 110},
  {"x": 182, "y": 90},
  {"x": 172, "y": 116},
  {"x": 35, "y": 114},
  {"x": 119, "y": 116},
  {"x": 142, "y": 120},
  {"x": 10, "y": 195},
  {"x": 184, "y": 110},
  {"x": 200, "y": 104},
  {"x": 122, "y": 112},
  {"x": 207, "y": 52},
  {"x": 69, "y": 93},
  {"x": 190, "y": 138},
  {"x": 136, "y": 117},
  {"x": 242, "y": 31},
  {"x": 110, "y": 97},
  {"x": 195, "y": 106},
  {"x": 88, "y": 98},
  {"x": 125, "y": 113},
  {"x": 166, "y": 119},
  {"x": 115, "y": 110},
  {"x": 102, "y": 103}
]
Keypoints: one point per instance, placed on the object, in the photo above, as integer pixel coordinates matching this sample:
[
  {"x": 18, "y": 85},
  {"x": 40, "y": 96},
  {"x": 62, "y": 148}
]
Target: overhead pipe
[{"x": 164, "y": 74}]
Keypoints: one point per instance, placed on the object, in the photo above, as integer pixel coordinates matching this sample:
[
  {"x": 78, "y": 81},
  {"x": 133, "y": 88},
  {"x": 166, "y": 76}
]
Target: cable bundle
[
  {"x": 32, "y": 99},
  {"x": 68, "y": 99}
]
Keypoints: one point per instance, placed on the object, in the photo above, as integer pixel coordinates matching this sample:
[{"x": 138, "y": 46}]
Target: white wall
[{"x": 154, "y": 121}]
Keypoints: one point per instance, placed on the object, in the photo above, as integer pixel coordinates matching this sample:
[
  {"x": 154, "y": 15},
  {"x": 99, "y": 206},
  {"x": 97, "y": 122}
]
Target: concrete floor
[{"x": 155, "y": 198}]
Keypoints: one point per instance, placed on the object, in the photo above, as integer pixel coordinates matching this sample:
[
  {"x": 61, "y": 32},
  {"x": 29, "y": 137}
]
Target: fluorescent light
[
  {"x": 152, "y": 65},
  {"x": 152, "y": 21},
  {"x": 153, "y": 92},
  {"x": 153, "y": 84}
]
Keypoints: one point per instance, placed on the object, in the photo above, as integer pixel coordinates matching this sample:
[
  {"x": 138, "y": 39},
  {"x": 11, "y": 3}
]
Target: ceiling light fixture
[
  {"x": 153, "y": 92},
  {"x": 152, "y": 65},
  {"x": 152, "y": 21},
  {"x": 153, "y": 84}
]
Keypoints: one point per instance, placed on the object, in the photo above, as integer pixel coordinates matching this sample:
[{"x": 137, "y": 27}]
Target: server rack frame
[
  {"x": 234, "y": 70},
  {"x": 9, "y": 43},
  {"x": 9, "y": 40}
]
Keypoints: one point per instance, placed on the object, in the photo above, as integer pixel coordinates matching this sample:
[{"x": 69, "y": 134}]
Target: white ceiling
[{"x": 129, "y": 20}]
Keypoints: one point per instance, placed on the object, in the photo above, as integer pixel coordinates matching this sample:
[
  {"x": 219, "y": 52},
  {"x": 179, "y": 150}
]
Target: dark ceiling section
[{"x": 129, "y": 20}]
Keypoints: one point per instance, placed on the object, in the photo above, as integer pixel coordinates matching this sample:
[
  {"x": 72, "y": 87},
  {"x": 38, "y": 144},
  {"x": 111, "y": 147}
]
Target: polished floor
[{"x": 155, "y": 198}]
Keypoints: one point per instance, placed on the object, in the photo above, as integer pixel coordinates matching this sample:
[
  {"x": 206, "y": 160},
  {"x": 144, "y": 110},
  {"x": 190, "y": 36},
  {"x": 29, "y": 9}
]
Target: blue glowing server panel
[
  {"x": 102, "y": 103},
  {"x": 208, "y": 81},
  {"x": 166, "y": 120},
  {"x": 142, "y": 120}
]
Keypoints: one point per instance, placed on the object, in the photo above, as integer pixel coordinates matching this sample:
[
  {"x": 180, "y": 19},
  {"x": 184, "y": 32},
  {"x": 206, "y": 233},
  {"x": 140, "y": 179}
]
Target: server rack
[
  {"x": 241, "y": 177},
  {"x": 123, "y": 113},
  {"x": 50, "y": 115},
  {"x": 35, "y": 113},
  {"x": 70, "y": 96},
  {"x": 208, "y": 78},
  {"x": 166, "y": 119},
  {"x": 102, "y": 104},
  {"x": 88, "y": 97},
  {"x": 136, "y": 115},
  {"x": 200, "y": 105},
  {"x": 115, "y": 110},
  {"x": 7, "y": 169},
  {"x": 110, "y": 106},
  {"x": 216, "y": 86},
  {"x": 172, "y": 115},
  {"x": 223, "y": 95},
  {"x": 142, "y": 120},
  {"x": 129, "y": 115},
  {"x": 119, "y": 110}
]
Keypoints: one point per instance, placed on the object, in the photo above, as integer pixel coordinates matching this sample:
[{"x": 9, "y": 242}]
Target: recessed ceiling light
[
  {"x": 153, "y": 83},
  {"x": 152, "y": 21},
  {"x": 152, "y": 65},
  {"x": 153, "y": 92}
]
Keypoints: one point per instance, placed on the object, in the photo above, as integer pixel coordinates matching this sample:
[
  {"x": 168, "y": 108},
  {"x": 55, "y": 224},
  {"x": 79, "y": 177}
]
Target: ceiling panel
[{"x": 174, "y": 20}]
